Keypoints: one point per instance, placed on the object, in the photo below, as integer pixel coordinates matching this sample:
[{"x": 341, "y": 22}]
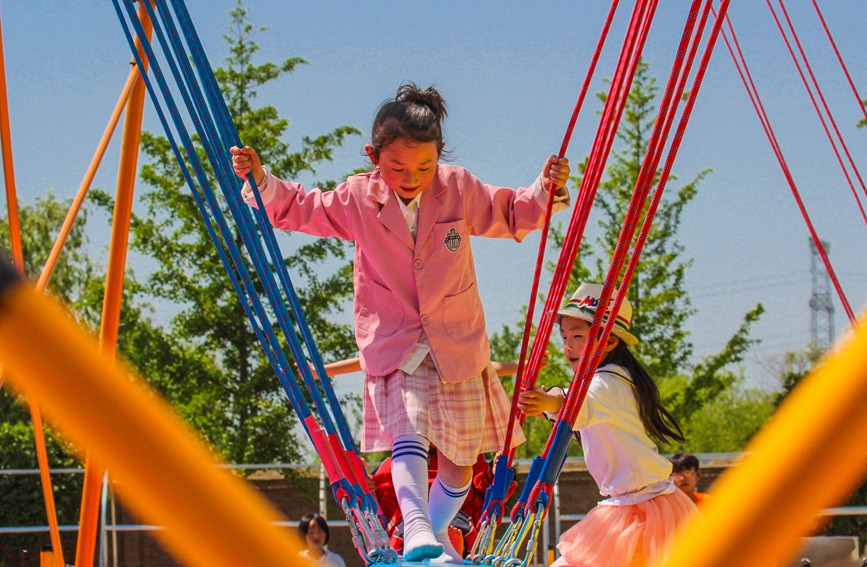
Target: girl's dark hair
[
  {"x": 414, "y": 113},
  {"x": 304, "y": 526},
  {"x": 658, "y": 421}
]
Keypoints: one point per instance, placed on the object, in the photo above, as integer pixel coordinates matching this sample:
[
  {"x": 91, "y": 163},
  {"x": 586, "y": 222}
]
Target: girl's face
[
  {"x": 315, "y": 536},
  {"x": 574, "y": 333},
  {"x": 406, "y": 166}
]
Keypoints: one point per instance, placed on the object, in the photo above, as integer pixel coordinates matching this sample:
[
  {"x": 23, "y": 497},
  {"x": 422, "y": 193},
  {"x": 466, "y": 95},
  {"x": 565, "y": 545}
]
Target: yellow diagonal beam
[
  {"x": 811, "y": 455},
  {"x": 160, "y": 467}
]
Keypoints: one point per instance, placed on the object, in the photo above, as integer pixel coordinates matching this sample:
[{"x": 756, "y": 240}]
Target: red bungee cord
[
  {"x": 662, "y": 127},
  {"x": 588, "y": 361},
  {"x": 520, "y": 383},
  {"x": 613, "y": 111},
  {"x": 587, "y": 368},
  {"x": 635, "y": 38},
  {"x": 840, "y": 59},
  {"x": 816, "y": 106},
  {"x": 746, "y": 77}
]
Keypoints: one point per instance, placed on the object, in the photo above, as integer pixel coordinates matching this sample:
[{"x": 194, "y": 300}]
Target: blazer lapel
[
  {"x": 429, "y": 209},
  {"x": 390, "y": 214}
]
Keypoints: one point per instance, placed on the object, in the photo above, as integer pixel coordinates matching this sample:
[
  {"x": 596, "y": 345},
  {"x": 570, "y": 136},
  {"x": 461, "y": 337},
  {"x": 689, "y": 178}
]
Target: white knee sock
[
  {"x": 445, "y": 501},
  {"x": 409, "y": 466}
]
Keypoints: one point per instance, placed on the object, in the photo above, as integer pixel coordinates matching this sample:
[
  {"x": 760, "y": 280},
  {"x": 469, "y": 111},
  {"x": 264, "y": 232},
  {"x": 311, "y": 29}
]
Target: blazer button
[
  {"x": 424, "y": 319},
  {"x": 418, "y": 264}
]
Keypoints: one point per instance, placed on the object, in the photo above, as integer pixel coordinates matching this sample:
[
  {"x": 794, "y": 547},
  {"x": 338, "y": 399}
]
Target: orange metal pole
[
  {"x": 90, "y": 498},
  {"x": 45, "y": 479},
  {"x": 18, "y": 256},
  {"x": 163, "y": 470},
  {"x": 8, "y": 169},
  {"x": 78, "y": 201},
  {"x": 47, "y": 558},
  {"x": 761, "y": 507},
  {"x": 47, "y": 270},
  {"x": 51, "y": 262}
]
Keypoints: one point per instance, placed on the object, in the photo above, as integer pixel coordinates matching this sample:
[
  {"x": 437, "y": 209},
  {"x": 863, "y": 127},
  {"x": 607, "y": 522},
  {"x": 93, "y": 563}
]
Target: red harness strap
[
  {"x": 592, "y": 356},
  {"x": 615, "y": 104}
]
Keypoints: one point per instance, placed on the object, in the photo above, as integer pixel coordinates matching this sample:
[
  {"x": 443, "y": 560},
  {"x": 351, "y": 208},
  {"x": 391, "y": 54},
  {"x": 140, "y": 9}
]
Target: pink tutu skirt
[{"x": 625, "y": 536}]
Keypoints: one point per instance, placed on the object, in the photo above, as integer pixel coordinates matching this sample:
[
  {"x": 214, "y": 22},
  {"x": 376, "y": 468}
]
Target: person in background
[
  {"x": 313, "y": 529},
  {"x": 686, "y": 474}
]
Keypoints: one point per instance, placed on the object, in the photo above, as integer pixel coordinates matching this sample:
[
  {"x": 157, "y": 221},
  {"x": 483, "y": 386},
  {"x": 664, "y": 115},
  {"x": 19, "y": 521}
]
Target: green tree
[
  {"x": 209, "y": 362},
  {"x": 727, "y": 421},
  {"x": 39, "y": 224},
  {"x": 661, "y": 303},
  {"x": 796, "y": 365}
]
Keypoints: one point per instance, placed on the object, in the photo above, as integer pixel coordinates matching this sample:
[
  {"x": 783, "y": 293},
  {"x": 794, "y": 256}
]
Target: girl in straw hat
[{"x": 618, "y": 423}]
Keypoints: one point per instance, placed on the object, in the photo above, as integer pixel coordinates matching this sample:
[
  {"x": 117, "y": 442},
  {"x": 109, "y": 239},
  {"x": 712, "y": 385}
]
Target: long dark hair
[
  {"x": 658, "y": 421},
  {"x": 413, "y": 113}
]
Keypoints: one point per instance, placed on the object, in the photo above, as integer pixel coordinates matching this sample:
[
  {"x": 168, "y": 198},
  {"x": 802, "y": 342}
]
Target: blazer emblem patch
[{"x": 452, "y": 240}]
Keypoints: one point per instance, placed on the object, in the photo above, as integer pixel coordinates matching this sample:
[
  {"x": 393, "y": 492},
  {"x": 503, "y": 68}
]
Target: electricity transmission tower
[{"x": 821, "y": 307}]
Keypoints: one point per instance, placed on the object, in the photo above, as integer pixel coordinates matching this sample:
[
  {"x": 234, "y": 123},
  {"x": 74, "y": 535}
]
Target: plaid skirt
[{"x": 462, "y": 420}]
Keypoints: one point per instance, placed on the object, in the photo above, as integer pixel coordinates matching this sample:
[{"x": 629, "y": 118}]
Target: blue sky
[{"x": 510, "y": 72}]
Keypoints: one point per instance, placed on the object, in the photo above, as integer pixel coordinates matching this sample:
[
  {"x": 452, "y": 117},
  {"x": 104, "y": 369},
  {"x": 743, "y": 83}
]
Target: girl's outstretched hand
[
  {"x": 245, "y": 160},
  {"x": 535, "y": 402},
  {"x": 556, "y": 171}
]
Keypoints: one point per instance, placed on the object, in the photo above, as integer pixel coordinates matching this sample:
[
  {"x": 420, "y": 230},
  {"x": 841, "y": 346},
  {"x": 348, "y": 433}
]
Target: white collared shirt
[
  {"x": 422, "y": 347},
  {"x": 410, "y": 213},
  {"x": 620, "y": 456}
]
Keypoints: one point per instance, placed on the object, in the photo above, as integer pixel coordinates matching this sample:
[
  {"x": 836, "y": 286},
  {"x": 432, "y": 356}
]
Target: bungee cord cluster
[
  {"x": 326, "y": 427},
  {"x": 534, "y": 501}
]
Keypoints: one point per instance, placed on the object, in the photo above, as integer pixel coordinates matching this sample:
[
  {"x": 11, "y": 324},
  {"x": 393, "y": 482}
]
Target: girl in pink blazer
[{"x": 419, "y": 322}]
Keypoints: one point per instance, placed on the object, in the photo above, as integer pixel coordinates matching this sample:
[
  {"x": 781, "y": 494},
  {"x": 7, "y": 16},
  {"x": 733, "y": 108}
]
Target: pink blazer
[{"x": 403, "y": 287}]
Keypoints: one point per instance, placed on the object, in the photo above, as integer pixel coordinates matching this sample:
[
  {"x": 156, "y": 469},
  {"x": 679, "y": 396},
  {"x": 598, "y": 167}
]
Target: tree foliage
[
  {"x": 39, "y": 225},
  {"x": 727, "y": 421}
]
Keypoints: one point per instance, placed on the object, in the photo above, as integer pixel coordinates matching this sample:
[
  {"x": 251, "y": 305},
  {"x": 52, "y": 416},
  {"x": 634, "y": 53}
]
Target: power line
[{"x": 751, "y": 284}]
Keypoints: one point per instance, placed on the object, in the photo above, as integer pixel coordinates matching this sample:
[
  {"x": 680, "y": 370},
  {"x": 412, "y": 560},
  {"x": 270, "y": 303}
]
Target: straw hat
[{"x": 583, "y": 303}]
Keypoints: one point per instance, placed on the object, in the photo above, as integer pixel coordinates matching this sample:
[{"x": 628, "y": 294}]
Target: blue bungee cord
[{"x": 264, "y": 331}]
